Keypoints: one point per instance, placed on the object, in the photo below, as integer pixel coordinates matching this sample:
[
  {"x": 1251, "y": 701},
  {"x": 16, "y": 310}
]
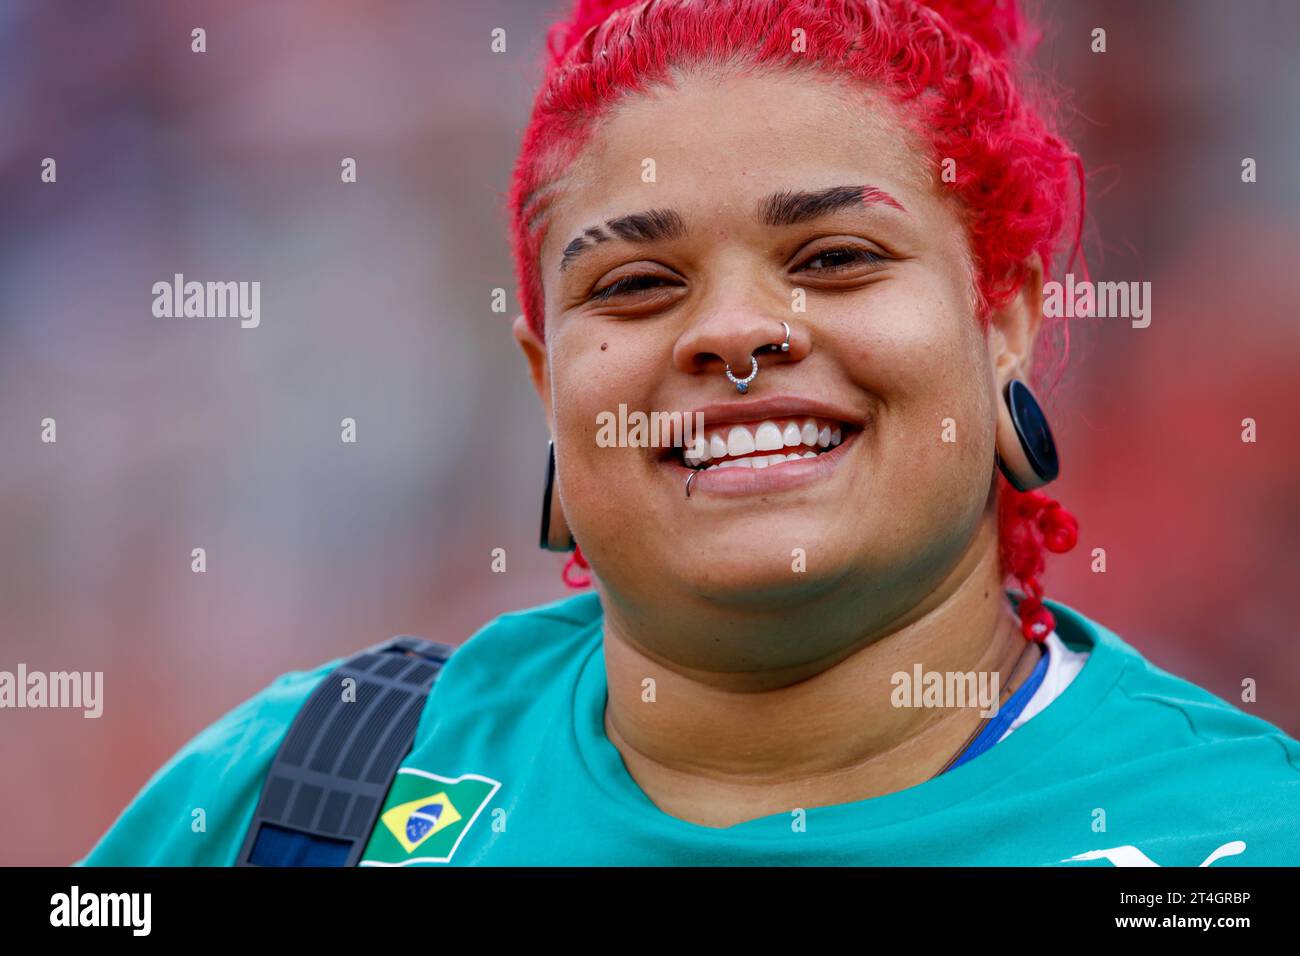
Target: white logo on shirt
[{"x": 1132, "y": 856}]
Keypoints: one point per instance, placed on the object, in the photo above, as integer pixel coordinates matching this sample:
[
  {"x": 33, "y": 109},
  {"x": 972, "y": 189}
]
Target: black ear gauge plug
[{"x": 1032, "y": 461}]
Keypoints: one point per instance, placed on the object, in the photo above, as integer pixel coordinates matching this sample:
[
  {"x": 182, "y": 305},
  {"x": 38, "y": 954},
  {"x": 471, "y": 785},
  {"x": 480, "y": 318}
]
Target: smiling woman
[
  {"x": 822, "y": 229},
  {"x": 831, "y": 218}
]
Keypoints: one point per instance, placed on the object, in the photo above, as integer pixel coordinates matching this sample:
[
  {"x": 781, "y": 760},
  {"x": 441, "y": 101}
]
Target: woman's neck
[{"x": 721, "y": 749}]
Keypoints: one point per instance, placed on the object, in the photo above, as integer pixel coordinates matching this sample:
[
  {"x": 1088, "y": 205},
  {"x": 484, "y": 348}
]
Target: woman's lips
[{"x": 745, "y": 480}]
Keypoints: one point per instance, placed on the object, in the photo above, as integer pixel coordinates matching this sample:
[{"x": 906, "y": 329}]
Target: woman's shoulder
[
  {"x": 1202, "y": 714},
  {"x": 522, "y": 651},
  {"x": 535, "y": 636},
  {"x": 565, "y": 616},
  {"x": 194, "y": 808},
  {"x": 1170, "y": 768},
  {"x": 1179, "y": 736}
]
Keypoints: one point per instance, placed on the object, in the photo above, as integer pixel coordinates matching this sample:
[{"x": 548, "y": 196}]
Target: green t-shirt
[{"x": 1130, "y": 765}]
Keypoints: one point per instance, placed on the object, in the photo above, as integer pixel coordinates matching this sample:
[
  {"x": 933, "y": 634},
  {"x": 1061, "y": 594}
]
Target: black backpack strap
[{"x": 330, "y": 776}]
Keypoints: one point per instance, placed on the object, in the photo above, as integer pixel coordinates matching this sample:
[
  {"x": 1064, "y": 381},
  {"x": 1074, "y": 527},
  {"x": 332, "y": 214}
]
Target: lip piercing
[
  {"x": 742, "y": 384},
  {"x": 689, "y": 479}
]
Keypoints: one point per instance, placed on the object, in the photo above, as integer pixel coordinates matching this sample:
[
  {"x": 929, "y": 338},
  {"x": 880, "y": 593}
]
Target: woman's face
[{"x": 885, "y": 353}]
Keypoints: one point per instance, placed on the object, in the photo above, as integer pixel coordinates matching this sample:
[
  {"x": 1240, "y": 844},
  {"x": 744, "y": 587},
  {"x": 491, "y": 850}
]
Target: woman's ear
[
  {"x": 535, "y": 351},
  {"x": 1014, "y": 327}
]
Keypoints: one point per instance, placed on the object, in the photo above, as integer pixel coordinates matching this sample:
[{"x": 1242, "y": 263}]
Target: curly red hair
[{"x": 951, "y": 62}]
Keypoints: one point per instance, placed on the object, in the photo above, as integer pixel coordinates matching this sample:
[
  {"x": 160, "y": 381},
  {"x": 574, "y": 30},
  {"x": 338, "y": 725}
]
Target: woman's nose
[{"x": 722, "y": 341}]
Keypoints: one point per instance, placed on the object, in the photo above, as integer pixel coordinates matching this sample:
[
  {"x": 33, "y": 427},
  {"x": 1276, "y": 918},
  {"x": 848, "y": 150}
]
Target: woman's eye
[
  {"x": 828, "y": 260},
  {"x": 841, "y": 256},
  {"x": 627, "y": 284}
]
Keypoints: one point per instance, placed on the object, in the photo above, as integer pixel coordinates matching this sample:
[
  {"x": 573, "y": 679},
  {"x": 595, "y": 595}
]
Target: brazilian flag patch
[{"x": 425, "y": 817}]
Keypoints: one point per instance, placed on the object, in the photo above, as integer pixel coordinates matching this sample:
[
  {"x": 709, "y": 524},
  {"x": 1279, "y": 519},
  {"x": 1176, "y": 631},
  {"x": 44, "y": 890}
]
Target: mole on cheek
[{"x": 603, "y": 346}]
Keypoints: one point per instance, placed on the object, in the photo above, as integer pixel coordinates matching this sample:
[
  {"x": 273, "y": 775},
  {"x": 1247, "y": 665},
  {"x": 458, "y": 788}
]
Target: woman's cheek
[
  {"x": 934, "y": 424},
  {"x": 586, "y": 381},
  {"x": 589, "y": 386}
]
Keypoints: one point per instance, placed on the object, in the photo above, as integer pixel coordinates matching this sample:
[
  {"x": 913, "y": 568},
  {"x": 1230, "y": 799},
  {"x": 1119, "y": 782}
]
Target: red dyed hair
[{"x": 950, "y": 66}]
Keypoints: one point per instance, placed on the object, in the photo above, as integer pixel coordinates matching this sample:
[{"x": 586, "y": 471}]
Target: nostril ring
[{"x": 785, "y": 346}]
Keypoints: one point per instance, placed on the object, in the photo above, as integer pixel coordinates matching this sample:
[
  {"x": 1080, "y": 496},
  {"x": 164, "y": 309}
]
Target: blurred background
[{"x": 376, "y": 305}]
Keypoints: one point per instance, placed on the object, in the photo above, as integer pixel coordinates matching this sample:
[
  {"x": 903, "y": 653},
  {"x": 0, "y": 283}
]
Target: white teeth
[
  {"x": 762, "y": 461},
  {"x": 728, "y": 450},
  {"x": 741, "y": 442},
  {"x": 768, "y": 437}
]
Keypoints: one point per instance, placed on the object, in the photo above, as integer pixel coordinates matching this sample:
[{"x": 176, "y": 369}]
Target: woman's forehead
[{"x": 722, "y": 147}]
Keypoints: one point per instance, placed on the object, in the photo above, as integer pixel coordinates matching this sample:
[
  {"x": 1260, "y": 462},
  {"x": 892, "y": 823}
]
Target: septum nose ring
[{"x": 742, "y": 384}]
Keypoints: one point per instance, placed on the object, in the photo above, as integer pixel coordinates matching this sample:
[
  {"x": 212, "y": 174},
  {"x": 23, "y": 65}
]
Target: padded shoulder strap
[{"x": 329, "y": 778}]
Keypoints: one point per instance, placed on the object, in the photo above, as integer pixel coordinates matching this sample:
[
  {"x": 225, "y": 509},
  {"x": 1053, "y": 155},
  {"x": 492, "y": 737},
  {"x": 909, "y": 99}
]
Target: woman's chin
[{"x": 764, "y": 576}]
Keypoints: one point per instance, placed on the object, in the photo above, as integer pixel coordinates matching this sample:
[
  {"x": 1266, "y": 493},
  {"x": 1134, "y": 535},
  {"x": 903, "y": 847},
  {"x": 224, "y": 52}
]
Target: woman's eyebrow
[
  {"x": 790, "y": 208},
  {"x": 785, "y": 208},
  {"x": 652, "y": 225}
]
